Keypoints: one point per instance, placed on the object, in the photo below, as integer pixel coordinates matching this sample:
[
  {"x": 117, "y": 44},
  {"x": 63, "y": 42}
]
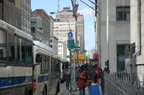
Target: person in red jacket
[{"x": 81, "y": 82}]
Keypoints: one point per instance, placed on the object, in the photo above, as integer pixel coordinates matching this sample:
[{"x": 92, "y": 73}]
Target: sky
[{"x": 83, "y": 9}]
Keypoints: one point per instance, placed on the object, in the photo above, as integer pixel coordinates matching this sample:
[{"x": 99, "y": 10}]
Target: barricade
[{"x": 122, "y": 84}]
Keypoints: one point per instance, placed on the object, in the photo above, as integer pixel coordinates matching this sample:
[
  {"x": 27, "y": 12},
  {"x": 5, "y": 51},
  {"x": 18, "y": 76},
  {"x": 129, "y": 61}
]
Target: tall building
[
  {"x": 25, "y": 6},
  {"x": 134, "y": 60},
  {"x": 17, "y": 13},
  {"x": 61, "y": 30},
  {"x": 91, "y": 53},
  {"x": 37, "y": 28},
  {"x": 10, "y": 13},
  {"x": 113, "y": 32},
  {"x": 62, "y": 49},
  {"x": 46, "y": 20},
  {"x": 66, "y": 15}
]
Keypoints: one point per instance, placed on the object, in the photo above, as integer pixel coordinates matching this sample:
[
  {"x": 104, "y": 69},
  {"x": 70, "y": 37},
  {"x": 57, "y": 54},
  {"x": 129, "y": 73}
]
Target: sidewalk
[{"x": 63, "y": 91}]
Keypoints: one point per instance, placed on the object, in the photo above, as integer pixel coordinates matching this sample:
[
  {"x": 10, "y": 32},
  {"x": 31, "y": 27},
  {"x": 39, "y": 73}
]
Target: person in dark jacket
[
  {"x": 91, "y": 77},
  {"x": 81, "y": 81},
  {"x": 67, "y": 79}
]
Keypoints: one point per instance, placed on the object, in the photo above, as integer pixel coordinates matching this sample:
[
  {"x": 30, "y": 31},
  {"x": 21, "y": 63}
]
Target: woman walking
[
  {"x": 81, "y": 82},
  {"x": 67, "y": 78}
]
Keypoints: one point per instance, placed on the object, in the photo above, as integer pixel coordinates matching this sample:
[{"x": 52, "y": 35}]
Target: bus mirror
[{"x": 38, "y": 58}]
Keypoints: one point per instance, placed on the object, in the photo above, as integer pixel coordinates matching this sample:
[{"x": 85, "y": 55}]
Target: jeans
[
  {"x": 67, "y": 84},
  {"x": 81, "y": 91}
]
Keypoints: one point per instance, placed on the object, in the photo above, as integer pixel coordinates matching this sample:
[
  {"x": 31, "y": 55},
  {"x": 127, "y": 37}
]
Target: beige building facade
[
  {"x": 135, "y": 63},
  {"x": 66, "y": 15},
  {"x": 62, "y": 49},
  {"x": 113, "y": 32},
  {"x": 61, "y": 30}
]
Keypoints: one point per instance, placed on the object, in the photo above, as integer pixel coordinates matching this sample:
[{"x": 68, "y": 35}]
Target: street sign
[
  {"x": 70, "y": 34},
  {"x": 68, "y": 56},
  {"x": 70, "y": 44}
]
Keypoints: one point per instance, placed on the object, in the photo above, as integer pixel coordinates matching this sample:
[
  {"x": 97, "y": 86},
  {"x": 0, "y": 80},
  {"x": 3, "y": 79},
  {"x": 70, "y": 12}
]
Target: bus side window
[
  {"x": 1, "y": 54},
  {"x": 38, "y": 58},
  {"x": 28, "y": 52},
  {"x": 3, "y": 46},
  {"x": 11, "y": 48}
]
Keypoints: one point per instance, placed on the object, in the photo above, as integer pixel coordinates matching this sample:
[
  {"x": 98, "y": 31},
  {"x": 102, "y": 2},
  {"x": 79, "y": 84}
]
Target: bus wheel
[
  {"x": 58, "y": 88},
  {"x": 28, "y": 91},
  {"x": 45, "y": 91}
]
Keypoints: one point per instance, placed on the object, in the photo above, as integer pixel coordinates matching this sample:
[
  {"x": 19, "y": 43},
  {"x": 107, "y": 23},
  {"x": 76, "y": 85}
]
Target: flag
[
  {"x": 75, "y": 7},
  {"x": 75, "y": 11}
]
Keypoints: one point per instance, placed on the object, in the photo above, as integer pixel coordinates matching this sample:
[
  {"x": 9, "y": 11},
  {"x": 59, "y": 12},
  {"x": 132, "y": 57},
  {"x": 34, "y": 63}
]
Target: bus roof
[
  {"x": 47, "y": 48},
  {"x": 17, "y": 31}
]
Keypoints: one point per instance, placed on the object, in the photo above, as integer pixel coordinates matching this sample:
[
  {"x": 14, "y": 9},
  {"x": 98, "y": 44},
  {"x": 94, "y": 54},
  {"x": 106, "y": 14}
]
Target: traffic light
[{"x": 70, "y": 43}]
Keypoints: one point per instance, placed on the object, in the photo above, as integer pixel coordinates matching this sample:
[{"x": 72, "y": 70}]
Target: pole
[
  {"x": 70, "y": 72},
  {"x": 107, "y": 31}
]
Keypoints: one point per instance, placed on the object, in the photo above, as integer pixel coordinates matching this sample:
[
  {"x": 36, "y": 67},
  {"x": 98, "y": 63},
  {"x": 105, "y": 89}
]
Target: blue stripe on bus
[
  {"x": 46, "y": 78},
  {"x": 57, "y": 76},
  {"x": 9, "y": 81},
  {"x": 43, "y": 78}
]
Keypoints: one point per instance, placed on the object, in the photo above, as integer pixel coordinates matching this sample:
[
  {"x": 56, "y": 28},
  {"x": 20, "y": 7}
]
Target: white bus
[
  {"x": 16, "y": 61},
  {"x": 46, "y": 79},
  {"x": 27, "y": 67},
  {"x": 64, "y": 67}
]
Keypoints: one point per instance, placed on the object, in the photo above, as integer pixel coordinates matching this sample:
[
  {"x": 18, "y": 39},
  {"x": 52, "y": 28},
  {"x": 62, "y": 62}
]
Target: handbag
[
  {"x": 81, "y": 76},
  {"x": 77, "y": 83}
]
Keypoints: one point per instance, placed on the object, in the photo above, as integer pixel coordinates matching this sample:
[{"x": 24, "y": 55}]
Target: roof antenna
[{"x": 58, "y": 6}]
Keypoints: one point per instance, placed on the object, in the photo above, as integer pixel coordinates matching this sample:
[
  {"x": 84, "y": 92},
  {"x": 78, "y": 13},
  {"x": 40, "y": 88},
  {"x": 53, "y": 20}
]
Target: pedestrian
[
  {"x": 98, "y": 71},
  {"x": 81, "y": 81},
  {"x": 67, "y": 77},
  {"x": 89, "y": 77}
]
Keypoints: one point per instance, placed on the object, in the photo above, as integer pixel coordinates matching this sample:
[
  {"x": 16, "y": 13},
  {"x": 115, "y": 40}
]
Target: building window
[
  {"x": 121, "y": 57},
  {"x": 123, "y": 13},
  {"x": 33, "y": 29},
  {"x": 34, "y": 20}
]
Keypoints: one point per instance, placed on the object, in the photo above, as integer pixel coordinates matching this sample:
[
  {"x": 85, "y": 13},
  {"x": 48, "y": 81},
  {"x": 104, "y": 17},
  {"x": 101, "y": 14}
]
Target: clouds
[{"x": 86, "y": 12}]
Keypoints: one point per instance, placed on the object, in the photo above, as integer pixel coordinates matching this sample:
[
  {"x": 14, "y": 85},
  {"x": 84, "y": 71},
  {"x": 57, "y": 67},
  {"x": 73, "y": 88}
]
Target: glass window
[
  {"x": 43, "y": 64},
  {"x": 34, "y": 20},
  {"x": 119, "y": 13},
  {"x": 57, "y": 66},
  {"x": 3, "y": 46},
  {"x": 29, "y": 52},
  {"x": 47, "y": 64},
  {"x": 120, "y": 58},
  {"x": 21, "y": 50},
  {"x": 33, "y": 29},
  {"x": 52, "y": 65},
  {"x": 127, "y": 13},
  {"x": 123, "y": 13},
  {"x": 11, "y": 48}
]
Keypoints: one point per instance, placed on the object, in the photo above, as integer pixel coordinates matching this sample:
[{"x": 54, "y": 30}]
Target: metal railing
[{"x": 122, "y": 84}]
